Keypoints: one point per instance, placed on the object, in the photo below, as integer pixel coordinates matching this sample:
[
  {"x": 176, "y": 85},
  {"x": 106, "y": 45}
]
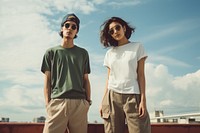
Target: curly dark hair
[{"x": 106, "y": 39}]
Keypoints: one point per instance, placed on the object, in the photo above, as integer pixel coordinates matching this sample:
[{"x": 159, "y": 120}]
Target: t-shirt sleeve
[
  {"x": 46, "y": 62},
  {"x": 87, "y": 64},
  {"x": 106, "y": 60},
  {"x": 141, "y": 52}
]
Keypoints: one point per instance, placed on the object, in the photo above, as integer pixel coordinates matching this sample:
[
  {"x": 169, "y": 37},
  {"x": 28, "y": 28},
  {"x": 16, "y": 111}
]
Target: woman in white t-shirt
[{"x": 124, "y": 101}]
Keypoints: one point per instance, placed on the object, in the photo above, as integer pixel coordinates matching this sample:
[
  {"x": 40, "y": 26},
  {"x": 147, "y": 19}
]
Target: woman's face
[{"x": 116, "y": 31}]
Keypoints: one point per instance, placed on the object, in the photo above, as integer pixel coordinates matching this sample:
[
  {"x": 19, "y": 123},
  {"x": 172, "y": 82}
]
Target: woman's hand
[
  {"x": 100, "y": 110},
  {"x": 142, "y": 109}
]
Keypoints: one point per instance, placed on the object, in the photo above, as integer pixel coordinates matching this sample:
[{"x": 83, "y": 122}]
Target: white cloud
[
  {"x": 120, "y": 3},
  {"x": 99, "y": 1},
  {"x": 24, "y": 37},
  {"x": 188, "y": 82},
  {"x": 21, "y": 103},
  {"x": 83, "y": 6},
  {"x": 19, "y": 96},
  {"x": 166, "y": 102},
  {"x": 159, "y": 72},
  {"x": 170, "y": 93}
]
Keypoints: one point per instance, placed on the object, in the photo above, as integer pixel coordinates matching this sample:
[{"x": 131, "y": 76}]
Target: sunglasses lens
[
  {"x": 111, "y": 31},
  {"x": 67, "y": 25},
  {"x": 118, "y": 28},
  {"x": 73, "y": 27}
]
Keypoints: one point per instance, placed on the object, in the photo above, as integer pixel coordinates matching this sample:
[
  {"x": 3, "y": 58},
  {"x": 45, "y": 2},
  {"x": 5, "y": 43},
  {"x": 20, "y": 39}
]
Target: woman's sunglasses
[
  {"x": 117, "y": 28},
  {"x": 73, "y": 26}
]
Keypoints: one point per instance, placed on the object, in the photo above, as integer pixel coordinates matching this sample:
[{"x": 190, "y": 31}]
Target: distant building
[
  {"x": 40, "y": 119},
  {"x": 159, "y": 113},
  {"x": 179, "y": 118},
  {"x": 3, "y": 119}
]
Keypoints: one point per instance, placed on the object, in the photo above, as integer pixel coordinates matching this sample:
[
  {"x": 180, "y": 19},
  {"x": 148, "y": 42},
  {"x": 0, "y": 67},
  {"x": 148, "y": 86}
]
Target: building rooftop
[{"x": 11, "y": 127}]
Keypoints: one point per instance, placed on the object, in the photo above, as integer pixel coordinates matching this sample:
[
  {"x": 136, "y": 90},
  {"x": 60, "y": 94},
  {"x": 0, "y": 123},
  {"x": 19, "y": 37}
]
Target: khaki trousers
[
  {"x": 66, "y": 114},
  {"x": 121, "y": 109}
]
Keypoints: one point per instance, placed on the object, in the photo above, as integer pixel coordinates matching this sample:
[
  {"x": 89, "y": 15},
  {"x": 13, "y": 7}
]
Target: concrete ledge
[
  {"x": 98, "y": 128},
  {"x": 175, "y": 128}
]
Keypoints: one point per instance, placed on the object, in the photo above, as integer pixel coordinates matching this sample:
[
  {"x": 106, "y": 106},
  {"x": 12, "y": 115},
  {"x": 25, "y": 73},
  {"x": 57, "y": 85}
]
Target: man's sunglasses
[
  {"x": 73, "y": 26},
  {"x": 117, "y": 28}
]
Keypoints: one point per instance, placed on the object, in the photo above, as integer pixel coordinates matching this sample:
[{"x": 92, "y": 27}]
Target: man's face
[{"x": 69, "y": 29}]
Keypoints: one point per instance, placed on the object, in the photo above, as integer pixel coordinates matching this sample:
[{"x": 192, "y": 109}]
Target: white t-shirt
[{"x": 123, "y": 61}]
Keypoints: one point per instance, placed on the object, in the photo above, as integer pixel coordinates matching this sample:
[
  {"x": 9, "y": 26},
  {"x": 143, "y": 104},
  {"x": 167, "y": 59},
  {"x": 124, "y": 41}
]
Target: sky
[{"x": 168, "y": 29}]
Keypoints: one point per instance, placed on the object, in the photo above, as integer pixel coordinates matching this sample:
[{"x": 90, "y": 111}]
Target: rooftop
[{"x": 10, "y": 127}]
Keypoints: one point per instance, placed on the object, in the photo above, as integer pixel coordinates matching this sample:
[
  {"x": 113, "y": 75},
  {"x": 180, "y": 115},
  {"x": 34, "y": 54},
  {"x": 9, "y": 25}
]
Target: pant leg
[
  {"x": 106, "y": 113},
  {"x": 117, "y": 114},
  {"x": 132, "y": 113},
  {"x": 114, "y": 118},
  {"x": 56, "y": 121},
  {"x": 78, "y": 109},
  {"x": 145, "y": 124}
]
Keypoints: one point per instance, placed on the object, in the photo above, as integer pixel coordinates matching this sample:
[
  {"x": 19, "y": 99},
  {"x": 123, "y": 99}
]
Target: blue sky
[{"x": 168, "y": 29}]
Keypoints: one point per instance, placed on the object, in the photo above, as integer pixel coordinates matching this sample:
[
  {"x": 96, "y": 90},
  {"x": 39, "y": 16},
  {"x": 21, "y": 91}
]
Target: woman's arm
[
  {"x": 142, "y": 84},
  {"x": 105, "y": 90}
]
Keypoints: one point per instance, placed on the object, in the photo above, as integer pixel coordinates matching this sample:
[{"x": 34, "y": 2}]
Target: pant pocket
[
  {"x": 105, "y": 107},
  {"x": 105, "y": 112}
]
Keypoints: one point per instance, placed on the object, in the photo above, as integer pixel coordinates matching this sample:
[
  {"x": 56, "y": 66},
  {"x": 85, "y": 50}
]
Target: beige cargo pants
[
  {"x": 121, "y": 109},
  {"x": 66, "y": 114}
]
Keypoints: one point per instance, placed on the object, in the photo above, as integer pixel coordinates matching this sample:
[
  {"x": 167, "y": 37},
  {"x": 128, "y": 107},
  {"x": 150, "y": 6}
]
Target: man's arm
[
  {"x": 47, "y": 87},
  {"x": 87, "y": 87}
]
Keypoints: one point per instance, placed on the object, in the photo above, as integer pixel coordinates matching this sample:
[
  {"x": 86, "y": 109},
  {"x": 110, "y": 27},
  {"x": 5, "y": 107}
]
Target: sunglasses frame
[
  {"x": 73, "y": 26},
  {"x": 117, "y": 28}
]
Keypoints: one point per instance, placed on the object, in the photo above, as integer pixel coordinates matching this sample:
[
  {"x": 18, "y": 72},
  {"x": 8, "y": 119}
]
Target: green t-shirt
[{"x": 67, "y": 67}]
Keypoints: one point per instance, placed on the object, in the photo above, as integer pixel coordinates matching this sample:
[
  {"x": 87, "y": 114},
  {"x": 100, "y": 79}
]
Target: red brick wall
[{"x": 98, "y": 128}]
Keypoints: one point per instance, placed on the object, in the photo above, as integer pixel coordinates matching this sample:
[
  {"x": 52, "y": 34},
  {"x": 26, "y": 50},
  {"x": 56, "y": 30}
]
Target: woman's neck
[{"x": 123, "y": 41}]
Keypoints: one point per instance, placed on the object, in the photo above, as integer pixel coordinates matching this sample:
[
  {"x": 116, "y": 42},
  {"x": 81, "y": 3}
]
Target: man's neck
[{"x": 67, "y": 43}]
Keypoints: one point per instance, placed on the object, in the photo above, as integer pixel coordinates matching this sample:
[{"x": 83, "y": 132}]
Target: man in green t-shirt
[{"x": 66, "y": 83}]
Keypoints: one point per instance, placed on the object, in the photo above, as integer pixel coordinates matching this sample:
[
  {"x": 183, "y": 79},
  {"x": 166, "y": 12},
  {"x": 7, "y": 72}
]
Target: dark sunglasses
[
  {"x": 117, "y": 28},
  {"x": 73, "y": 26}
]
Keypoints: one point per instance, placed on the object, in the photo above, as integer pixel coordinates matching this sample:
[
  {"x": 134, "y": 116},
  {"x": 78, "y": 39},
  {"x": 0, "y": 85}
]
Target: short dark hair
[{"x": 106, "y": 39}]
